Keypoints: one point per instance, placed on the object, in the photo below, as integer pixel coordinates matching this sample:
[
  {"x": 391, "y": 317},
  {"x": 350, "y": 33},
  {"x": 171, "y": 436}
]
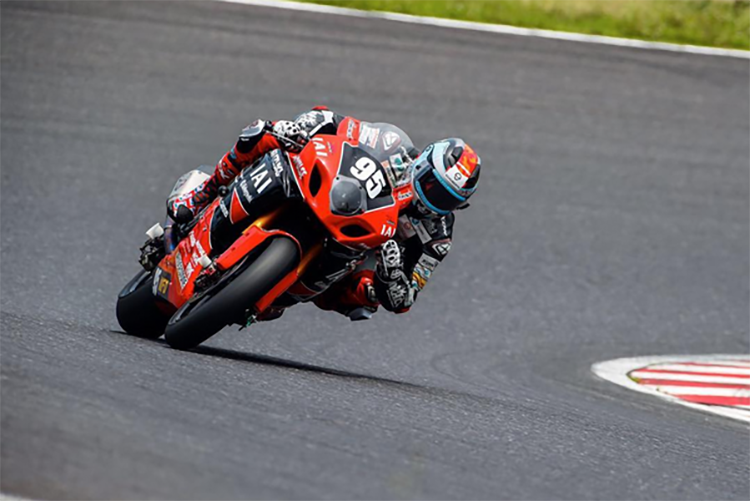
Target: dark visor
[{"x": 435, "y": 193}]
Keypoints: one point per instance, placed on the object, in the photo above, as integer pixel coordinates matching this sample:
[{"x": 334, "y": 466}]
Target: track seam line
[{"x": 503, "y": 29}]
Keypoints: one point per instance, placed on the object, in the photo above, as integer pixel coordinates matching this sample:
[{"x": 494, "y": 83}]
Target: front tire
[
  {"x": 137, "y": 311},
  {"x": 206, "y": 314}
]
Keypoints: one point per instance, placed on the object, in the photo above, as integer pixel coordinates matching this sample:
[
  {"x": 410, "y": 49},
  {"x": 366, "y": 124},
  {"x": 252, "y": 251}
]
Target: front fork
[{"x": 285, "y": 221}]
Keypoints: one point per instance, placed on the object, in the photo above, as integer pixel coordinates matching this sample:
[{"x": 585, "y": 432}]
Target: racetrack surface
[{"x": 611, "y": 221}]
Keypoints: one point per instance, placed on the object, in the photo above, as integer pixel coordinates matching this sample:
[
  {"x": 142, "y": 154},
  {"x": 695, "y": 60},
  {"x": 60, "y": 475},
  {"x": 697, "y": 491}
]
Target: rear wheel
[
  {"x": 227, "y": 302},
  {"x": 137, "y": 311}
]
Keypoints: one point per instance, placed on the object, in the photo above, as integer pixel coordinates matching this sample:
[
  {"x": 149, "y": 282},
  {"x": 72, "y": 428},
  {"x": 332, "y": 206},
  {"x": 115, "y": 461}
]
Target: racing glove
[
  {"x": 389, "y": 261},
  {"x": 290, "y": 136},
  {"x": 392, "y": 286}
]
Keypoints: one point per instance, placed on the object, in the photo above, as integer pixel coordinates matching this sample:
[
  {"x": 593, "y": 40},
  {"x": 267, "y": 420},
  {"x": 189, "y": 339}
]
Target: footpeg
[{"x": 209, "y": 276}]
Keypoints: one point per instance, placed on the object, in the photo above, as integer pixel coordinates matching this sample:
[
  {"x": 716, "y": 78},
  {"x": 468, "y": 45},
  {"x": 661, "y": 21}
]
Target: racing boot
[
  {"x": 183, "y": 209},
  {"x": 251, "y": 145}
]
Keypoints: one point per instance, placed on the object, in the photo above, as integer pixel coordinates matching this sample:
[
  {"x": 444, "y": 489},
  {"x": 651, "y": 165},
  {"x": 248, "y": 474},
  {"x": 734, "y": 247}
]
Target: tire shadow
[
  {"x": 292, "y": 364},
  {"x": 255, "y": 358}
]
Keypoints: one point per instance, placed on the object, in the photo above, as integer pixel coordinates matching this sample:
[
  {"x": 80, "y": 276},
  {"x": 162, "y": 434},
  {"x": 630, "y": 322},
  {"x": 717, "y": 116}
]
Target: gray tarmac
[{"x": 612, "y": 220}]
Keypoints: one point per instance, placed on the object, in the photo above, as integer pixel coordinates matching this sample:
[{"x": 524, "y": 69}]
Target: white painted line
[
  {"x": 702, "y": 390},
  {"x": 690, "y": 377},
  {"x": 616, "y": 371},
  {"x": 705, "y": 369},
  {"x": 732, "y": 363},
  {"x": 495, "y": 28}
]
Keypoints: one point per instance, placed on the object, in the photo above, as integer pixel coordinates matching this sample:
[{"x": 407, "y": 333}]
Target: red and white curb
[{"x": 713, "y": 383}]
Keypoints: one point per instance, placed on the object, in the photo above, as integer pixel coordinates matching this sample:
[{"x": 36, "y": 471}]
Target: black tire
[
  {"x": 137, "y": 312},
  {"x": 205, "y": 315}
]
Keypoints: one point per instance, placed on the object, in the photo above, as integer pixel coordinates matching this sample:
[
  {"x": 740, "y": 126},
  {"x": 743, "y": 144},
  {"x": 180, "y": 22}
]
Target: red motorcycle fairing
[
  {"x": 176, "y": 274},
  {"x": 329, "y": 169},
  {"x": 349, "y": 129}
]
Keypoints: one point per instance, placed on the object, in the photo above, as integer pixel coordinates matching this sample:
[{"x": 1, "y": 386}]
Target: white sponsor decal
[
  {"x": 388, "y": 231},
  {"x": 320, "y": 147},
  {"x": 456, "y": 176},
  {"x": 245, "y": 191},
  {"x": 301, "y": 172},
  {"x": 260, "y": 178},
  {"x": 389, "y": 139},
  {"x": 278, "y": 167},
  {"x": 368, "y": 135},
  {"x": 428, "y": 262},
  {"x": 404, "y": 195},
  {"x": 181, "y": 275},
  {"x": 443, "y": 248},
  {"x": 366, "y": 171}
]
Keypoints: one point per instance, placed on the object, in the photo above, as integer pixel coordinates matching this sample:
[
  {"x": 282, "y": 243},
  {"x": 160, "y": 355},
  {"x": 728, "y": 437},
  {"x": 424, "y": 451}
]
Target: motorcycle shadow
[{"x": 255, "y": 358}]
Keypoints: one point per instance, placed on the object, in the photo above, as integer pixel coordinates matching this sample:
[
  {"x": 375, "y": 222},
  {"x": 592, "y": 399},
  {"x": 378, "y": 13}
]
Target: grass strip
[{"x": 712, "y": 23}]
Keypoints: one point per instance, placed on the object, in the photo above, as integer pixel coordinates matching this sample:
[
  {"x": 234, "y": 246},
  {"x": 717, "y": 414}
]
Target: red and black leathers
[{"x": 345, "y": 279}]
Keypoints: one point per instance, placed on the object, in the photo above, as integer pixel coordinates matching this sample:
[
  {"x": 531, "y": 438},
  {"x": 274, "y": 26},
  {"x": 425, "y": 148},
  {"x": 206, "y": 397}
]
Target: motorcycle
[{"x": 348, "y": 201}]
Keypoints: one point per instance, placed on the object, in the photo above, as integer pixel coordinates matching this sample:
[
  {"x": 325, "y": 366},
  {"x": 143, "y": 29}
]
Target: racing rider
[{"x": 443, "y": 177}]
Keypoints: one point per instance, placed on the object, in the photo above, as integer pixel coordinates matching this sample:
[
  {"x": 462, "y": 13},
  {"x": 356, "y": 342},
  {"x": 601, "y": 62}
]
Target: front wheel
[
  {"x": 137, "y": 311},
  {"x": 206, "y": 314}
]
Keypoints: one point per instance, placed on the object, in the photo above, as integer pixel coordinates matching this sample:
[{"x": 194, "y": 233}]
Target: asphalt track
[{"x": 612, "y": 221}]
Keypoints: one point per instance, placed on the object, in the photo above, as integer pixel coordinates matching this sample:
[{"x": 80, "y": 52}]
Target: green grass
[{"x": 714, "y": 23}]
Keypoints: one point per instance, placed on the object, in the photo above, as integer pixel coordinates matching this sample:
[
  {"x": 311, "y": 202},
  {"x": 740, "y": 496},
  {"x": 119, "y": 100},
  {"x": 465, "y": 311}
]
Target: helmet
[{"x": 445, "y": 175}]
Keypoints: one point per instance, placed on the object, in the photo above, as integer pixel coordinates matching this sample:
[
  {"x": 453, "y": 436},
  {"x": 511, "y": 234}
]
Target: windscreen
[{"x": 390, "y": 146}]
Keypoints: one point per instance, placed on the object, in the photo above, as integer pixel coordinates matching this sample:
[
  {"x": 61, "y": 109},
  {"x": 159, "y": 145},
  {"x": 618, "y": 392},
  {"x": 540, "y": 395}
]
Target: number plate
[{"x": 358, "y": 165}]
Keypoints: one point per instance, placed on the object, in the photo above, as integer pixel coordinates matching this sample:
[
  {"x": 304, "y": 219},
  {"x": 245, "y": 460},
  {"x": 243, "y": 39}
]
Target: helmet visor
[{"x": 435, "y": 193}]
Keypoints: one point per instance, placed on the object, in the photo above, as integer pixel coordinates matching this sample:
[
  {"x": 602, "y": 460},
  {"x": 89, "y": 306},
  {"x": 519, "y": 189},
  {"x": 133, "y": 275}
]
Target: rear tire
[
  {"x": 205, "y": 315},
  {"x": 137, "y": 311}
]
